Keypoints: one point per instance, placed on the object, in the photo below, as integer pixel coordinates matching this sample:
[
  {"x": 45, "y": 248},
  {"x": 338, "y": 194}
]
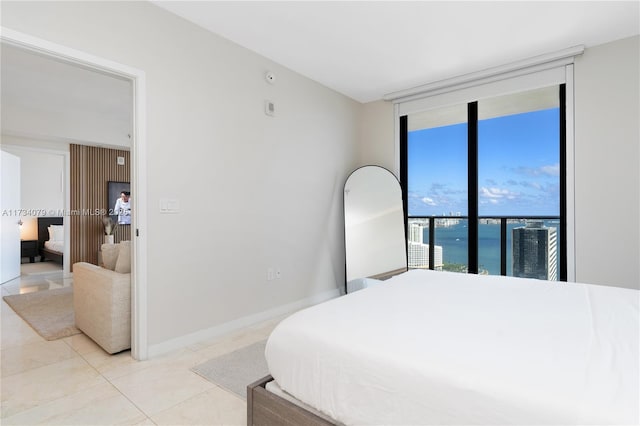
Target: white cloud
[
  {"x": 497, "y": 193},
  {"x": 552, "y": 170},
  {"x": 429, "y": 201},
  {"x": 548, "y": 170},
  {"x": 534, "y": 185}
]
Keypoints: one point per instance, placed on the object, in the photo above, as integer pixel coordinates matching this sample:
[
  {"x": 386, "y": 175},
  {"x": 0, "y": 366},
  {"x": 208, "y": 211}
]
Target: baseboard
[{"x": 237, "y": 324}]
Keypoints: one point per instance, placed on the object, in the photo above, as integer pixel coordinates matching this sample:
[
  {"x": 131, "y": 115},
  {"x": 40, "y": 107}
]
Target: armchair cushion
[
  {"x": 123, "y": 264},
  {"x": 102, "y": 304},
  {"x": 110, "y": 255}
]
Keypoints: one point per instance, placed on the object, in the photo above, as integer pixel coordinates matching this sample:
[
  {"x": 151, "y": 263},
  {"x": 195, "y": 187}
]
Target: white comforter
[
  {"x": 443, "y": 348},
  {"x": 55, "y": 245}
]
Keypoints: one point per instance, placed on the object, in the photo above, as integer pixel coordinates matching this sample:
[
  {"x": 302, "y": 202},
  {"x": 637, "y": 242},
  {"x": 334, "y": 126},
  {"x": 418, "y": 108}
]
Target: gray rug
[
  {"x": 235, "y": 370},
  {"x": 49, "y": 313}
]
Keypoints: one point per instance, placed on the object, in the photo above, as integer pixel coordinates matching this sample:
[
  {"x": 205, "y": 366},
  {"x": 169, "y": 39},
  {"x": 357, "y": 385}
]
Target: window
[{"x": 484, "y": 185}]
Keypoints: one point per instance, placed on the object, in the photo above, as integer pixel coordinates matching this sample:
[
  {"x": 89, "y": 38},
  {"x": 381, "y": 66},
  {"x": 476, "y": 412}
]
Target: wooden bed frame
[
  {"x": 267, "y": 408},
  {"x": 43, "y": 235}
]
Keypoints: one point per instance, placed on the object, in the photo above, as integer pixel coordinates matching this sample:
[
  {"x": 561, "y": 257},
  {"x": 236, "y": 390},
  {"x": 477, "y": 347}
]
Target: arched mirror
[{"x": 374, "y": 225}]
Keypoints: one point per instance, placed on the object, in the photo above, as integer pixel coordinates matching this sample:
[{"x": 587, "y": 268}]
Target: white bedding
[
  {"x": 55, "y": 245},
  {"x": 432, "y": 347}
]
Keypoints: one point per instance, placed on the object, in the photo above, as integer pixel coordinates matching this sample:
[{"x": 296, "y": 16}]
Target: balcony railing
[{"x": 447, "y": 239}]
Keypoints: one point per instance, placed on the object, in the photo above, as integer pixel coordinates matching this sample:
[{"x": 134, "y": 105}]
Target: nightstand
[{"x": 29, "y": 248}]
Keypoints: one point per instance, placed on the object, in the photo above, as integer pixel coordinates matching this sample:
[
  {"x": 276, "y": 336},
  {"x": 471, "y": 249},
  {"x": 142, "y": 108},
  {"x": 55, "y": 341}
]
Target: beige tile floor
[{"x": 72, "y": 381}]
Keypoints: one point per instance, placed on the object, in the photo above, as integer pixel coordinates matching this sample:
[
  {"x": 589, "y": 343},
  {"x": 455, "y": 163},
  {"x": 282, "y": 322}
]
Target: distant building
[
  {"x": 535, "y": 249},
  {"x": 418, "y": 252},
  {"x": 416, "y": 232},
  {"x": 419, "y": 256},
  {"x": 437, "y": 257}
]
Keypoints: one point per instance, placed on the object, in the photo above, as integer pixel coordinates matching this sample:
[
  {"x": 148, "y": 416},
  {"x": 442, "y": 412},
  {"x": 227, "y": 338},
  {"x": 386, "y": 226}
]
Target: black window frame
[{"x": 472, "y": 196}]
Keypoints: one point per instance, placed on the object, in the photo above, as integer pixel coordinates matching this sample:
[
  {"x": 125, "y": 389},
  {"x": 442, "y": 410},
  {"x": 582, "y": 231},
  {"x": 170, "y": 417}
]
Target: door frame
[{"x": 139, "y": 326}]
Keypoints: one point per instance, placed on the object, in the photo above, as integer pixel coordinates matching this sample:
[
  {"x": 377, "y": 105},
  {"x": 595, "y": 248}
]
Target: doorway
[
  {"x": 63, "y": 54},
  {"x": 42, "y": 183}
]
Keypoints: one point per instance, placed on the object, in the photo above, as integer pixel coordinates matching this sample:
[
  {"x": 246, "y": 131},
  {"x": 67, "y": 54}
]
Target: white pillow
[
  {"x": 110, "y": 255},
  {"x": 57, "y": 234},
  {"x": 123, "y": 264}
]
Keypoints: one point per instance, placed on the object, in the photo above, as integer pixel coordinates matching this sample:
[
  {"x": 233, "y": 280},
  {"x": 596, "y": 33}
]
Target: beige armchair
[{"x": 102, "y": 304}]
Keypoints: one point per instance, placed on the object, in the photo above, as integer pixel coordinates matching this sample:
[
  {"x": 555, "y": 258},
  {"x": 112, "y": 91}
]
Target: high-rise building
[
  {"x": 437, "y": 257},
  {"x": 418, "y": 252},
  {"x": 416, "y": 232},
  {"x": 535, "y": 248},
  {"x": 419, "y": 256}
]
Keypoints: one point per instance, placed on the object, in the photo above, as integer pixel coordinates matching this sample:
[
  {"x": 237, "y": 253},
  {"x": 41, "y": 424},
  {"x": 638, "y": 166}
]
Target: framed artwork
[{"x": 118, "y": 205}]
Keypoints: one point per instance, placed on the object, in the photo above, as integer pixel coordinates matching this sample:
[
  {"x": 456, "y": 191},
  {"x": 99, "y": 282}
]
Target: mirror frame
[{"x": 401, "y": 227}]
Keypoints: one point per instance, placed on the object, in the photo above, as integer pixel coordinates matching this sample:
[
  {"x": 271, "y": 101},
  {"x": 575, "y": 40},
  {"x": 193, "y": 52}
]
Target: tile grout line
[{"x": 116, "y": 388}]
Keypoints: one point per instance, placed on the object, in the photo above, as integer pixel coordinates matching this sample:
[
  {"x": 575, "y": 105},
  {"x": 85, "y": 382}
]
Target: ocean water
[{"x": 453, "y": 240}]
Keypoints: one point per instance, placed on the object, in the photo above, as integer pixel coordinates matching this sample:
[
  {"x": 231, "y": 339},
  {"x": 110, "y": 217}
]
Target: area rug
[
  {"x": 49, "y": 313},
  {"x": 40, "y": 268},
  {"x": 235, "y": 370}
]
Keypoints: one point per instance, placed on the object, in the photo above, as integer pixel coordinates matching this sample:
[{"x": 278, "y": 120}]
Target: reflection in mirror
[{"x": 374, "y": 225}]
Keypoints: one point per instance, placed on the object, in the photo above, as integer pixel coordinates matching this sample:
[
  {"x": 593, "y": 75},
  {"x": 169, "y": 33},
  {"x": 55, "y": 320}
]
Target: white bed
[
  {"x": 51, "y": 239},
  {"x": 57, "y": 246},
  {"x": 431, "y": 347}
]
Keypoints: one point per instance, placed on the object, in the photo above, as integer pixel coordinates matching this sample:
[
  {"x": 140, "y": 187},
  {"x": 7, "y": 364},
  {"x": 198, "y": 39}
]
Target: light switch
[
  {"x": 168, "y": 205},
  {"x": 269, "y": 108}
]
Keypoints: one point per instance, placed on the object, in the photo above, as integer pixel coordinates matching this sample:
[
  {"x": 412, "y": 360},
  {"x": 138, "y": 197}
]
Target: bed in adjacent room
[
  {"x": 429, "y": 347},
  {"x": 51, "y": 239}
]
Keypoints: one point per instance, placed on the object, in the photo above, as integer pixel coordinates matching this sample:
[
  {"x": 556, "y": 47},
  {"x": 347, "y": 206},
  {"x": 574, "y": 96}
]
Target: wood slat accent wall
[{"x": 91, "y": 170}]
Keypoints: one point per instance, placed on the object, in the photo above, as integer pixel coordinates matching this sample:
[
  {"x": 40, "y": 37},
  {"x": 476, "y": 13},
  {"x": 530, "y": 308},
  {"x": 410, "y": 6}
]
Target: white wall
[
  {"x": 606, "y": 159},
  {"x": 607, "y": 153},
  {"x": 254, "y": 191},
  {"x": 377, "y": 135},
  {"x": 41, "y": 183}
]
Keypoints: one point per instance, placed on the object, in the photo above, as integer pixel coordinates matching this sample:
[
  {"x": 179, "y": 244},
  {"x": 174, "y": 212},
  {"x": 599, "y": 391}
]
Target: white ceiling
[
  {"x": 362, "y": 49},
  {"x": 366, "y": 49},
  {"x": 45, "y": 98}
]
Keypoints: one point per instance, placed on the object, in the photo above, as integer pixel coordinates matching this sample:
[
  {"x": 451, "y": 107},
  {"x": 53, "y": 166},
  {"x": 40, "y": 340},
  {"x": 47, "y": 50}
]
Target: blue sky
[{"x": 518, "y": 167}]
